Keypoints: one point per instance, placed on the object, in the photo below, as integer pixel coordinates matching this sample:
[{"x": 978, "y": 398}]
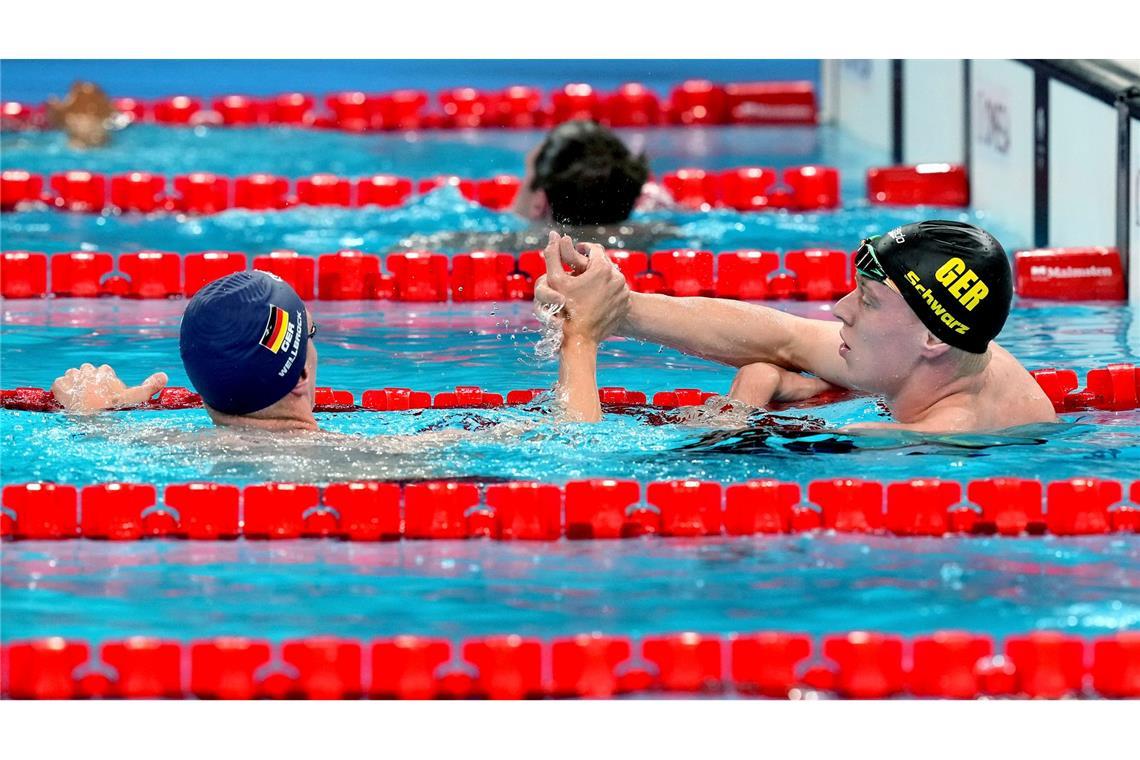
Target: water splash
[
  {"x": 716, "y": 412},
  {"x": 548, "y": 347}
]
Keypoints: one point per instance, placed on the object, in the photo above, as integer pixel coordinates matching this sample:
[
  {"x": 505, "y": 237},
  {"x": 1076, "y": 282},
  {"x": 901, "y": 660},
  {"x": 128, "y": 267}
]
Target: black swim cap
[
  {"x": 955, "y": 276},
  {"x": 243, "y": 341}
]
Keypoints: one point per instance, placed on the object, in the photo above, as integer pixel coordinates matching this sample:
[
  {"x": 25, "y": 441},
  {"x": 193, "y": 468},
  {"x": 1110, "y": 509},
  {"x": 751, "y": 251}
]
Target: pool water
[
  {"x": 819, "y": 583},
  {"x": 436, "y": 347},
  {"x": 456, "y": 589}
]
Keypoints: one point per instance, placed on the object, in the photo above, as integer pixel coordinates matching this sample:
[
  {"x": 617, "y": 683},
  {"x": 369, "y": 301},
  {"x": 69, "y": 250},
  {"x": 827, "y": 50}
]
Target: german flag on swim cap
[
  {"x": 243, "y": 341},
  {"x": 954, "y": 276}
]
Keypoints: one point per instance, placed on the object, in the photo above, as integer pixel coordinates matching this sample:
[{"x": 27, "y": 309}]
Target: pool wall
[{"x": 1051, "y": 146}]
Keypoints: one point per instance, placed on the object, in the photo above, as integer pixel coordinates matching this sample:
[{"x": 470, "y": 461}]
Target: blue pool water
[
  {"x": 819, "y": 585},
  {"x": 34, "y": 80},
  {"x": 436, "y": 347},
  {"x": 815, "y": 583}
]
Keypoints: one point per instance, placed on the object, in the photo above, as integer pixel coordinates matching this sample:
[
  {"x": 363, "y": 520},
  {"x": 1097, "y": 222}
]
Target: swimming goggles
[
  {"x": 312, "y": 330},
  {"x": 867, "y": 263}
]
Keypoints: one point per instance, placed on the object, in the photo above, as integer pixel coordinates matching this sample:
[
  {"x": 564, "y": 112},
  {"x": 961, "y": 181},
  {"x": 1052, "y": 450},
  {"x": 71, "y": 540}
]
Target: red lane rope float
[
  {"x": 421, "y": 276},
  {"x": 807, "y": 188},
  {"x": 774, "y": 664},
  {"x": 931, "y": 184},
  {"x": 745, "y": 189},
  {"x": 599, "y": 508},
  {"x": 809, "y": 275},
  {"x": 381, "y": 400},
  {"x": 206, "y": 193},
  {"x": 690, "y": 103},
  {"x": 1112, "y": 388}
]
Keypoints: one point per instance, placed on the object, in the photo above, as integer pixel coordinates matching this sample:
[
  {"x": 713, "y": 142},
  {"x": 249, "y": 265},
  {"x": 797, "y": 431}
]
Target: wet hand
[
  {"x": 89, "y": 389},
  {"x": 548, "y": 302},
  {"x": 595, "y": 300}
]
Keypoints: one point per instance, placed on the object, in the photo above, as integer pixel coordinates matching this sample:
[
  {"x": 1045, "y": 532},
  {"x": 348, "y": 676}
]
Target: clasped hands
[{"x": 588, "y": 291}]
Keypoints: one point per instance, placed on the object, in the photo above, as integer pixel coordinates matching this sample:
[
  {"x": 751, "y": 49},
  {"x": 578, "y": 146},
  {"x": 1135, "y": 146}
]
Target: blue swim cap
[{"x": 243, "y": 341}]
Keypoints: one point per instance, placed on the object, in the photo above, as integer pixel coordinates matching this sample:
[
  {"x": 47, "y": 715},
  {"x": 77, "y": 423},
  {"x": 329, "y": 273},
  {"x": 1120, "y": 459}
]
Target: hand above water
[
  {"x": 594, "y": 295},
  {"x": 90, "y": 389}
]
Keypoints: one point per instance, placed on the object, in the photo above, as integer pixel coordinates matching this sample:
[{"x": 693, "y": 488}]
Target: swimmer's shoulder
[{"x": 1014, "y": 393}]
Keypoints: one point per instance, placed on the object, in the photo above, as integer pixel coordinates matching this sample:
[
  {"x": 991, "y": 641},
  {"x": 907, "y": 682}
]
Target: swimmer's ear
[
  {"x": 933, "y": 346},
  {"x": 539, "y": 206}
]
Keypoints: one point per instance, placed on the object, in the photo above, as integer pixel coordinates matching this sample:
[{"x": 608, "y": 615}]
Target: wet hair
[
  {"x": 969, "y": 363},
  {"x": 588, "y": 174}
]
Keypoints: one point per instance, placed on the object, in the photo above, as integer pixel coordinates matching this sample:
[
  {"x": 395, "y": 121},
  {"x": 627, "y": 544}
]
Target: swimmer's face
[{"x": 882, "y": 338}]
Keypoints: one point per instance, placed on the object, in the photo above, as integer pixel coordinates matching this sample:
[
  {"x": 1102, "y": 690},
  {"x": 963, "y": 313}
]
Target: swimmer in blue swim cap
[{"x": 246, "y": 343}]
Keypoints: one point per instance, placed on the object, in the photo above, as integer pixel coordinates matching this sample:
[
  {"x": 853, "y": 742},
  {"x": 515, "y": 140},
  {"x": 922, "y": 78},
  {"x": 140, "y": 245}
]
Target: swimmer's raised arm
[
  {"x": 594, "y": 302},
  {"x": 737, "y": 334},
  {"x": 89, "y": 389},
  {"x": 578, "y": 380},
  {"x": 729, "y": 332}
]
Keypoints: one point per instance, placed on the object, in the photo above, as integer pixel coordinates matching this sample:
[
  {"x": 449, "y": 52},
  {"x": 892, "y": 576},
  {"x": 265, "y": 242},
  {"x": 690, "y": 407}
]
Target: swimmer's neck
[
  {"x": 266, "y": 419},
  {"x": 931, "y": 389}
]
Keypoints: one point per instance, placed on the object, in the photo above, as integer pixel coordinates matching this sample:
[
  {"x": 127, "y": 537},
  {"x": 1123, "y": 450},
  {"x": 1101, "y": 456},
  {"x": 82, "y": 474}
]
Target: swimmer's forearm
[
  {"x": 578, "y": 380},
  {"x": 718, "y": 329}
]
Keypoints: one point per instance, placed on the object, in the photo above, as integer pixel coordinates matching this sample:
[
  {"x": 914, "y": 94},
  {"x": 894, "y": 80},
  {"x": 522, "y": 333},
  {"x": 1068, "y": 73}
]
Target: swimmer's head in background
[
  {"x": 588, "y": 174},
  {"x": 954, "y": 276},
  {"x": 243, "y": 341}
]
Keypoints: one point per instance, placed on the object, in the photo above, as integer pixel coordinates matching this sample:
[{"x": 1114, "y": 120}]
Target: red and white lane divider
[
  {"x": 582, "y": 509},
  {"x": 206, "y": 193},
  {"x": 1112, "y": 388},
  {"x": 691, "y": 103},
  {"x": 775, "y": 664},
  {"x": 424, "y": 276},
  {"x": 804, "y": 188}
]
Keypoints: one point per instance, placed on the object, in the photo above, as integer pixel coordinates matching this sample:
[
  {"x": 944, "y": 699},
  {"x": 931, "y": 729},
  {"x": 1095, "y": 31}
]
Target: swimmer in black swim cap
[
  {"x": 928, "y": 295},
  {"x": 246, "y": 343},
  {"x": 918, "y": 329},
  {"x": 954, "y": 276}
]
